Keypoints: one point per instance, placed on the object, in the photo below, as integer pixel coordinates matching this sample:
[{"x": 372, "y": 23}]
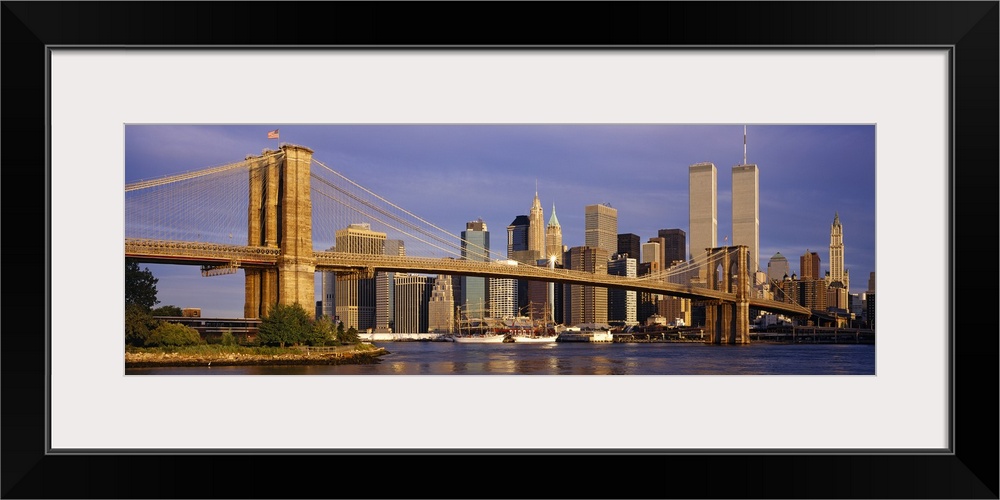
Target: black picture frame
[{"x": 969, "y": 28}]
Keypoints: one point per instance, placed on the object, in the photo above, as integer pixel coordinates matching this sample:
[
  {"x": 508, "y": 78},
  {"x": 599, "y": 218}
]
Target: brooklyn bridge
[{"x": 274, "y": 216}]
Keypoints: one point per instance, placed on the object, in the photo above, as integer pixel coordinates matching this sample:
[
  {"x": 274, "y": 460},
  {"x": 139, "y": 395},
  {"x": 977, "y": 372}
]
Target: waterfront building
[
  {"x": 622, "y": 303},
  {"x": 778, "y": 268},
  {"x": 583, "y": 303},
  {"x": 441, "y": 306},
  {"x": 746, "y": 210},
  {"x": 412, "y": 296},
  {"x": 476, "y": 247},
  {"x": 601, "y": 227},
  {"x": 355, "y": 298},
  {"x": 837, "y": 272},
  {"x": 628, "y": 244},
  {"x": 809, "y": 266},
  {"x": 702, "y": 215},
  {"x": 384, "y": 288},
  {"x": 553, "y": 238},
  {"x": 674, "y": 246}
]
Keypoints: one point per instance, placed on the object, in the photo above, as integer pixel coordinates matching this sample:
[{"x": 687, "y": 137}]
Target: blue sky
[{"x": 451, "y": 174}]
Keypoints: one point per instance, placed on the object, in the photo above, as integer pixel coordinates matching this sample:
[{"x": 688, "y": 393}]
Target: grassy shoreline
[{"x": 219, "y": 355}]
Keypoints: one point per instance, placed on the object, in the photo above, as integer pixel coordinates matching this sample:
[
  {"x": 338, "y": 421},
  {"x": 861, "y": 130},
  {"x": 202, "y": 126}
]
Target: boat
[
  {"x": 588, "y": 333},
  {"x": 535, "y": 339},
  {"x": 476, "y": 338},
  {"x": 480, "y": 329},
  {"x": 539, "y": 331}
]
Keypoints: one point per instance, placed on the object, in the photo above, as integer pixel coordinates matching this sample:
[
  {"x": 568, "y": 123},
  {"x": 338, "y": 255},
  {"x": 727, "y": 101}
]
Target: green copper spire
[{"x": 553, "y": 221}]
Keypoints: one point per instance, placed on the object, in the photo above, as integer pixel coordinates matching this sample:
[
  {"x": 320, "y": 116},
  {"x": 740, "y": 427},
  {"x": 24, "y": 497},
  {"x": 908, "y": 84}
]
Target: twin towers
[{"x": 703, "y": 210}]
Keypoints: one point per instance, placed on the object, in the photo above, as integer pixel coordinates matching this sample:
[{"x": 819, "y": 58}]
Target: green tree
[
  {"x": 323, "y": 331},
  {"x": 140, "y": 285},
  {"x": 349, "y": 337},
  {"x": 285, "y": 325},
  {"x": 173, "y": 335},
  {"x": 167, "y": 311},
  {"x": 138, "y": 324}
]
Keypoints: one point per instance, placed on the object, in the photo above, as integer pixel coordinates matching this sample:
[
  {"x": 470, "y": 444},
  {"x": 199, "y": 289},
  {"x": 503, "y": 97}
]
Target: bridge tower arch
[
  {"x": 280, "y": 216},
  {"x": 728, "y": 322}
]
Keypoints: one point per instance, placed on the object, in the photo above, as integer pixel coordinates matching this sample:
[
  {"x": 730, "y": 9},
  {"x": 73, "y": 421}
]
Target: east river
[{"x": 572, "y": 358}]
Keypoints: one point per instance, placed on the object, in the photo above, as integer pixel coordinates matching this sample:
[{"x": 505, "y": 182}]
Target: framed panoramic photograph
[{"x": 368, "y": 250}]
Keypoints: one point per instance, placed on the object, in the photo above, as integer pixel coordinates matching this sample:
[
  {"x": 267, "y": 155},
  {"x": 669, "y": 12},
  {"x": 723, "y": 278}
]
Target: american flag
[{"x": 272, "y": 134}]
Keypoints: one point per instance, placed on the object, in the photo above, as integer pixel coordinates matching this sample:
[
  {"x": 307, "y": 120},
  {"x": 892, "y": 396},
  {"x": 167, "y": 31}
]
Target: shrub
[
  {"x": 323, "y": 331},
  {"x": 228, "y": 339},
  {"x": 138, "y": 324},
  {"x": 349, "y": 337},
  {"x": 285, "y": 325},
  {"x": 173, "y": 335}
]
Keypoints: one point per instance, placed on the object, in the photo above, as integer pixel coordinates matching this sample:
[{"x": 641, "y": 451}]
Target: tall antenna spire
[{"x": 744, "y": 144}]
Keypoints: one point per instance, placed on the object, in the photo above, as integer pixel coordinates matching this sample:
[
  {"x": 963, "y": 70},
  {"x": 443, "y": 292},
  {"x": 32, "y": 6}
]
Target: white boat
[
  {"x": 535, "y": 339},
  {"x": 488, "y": 338},
  {"x": 589, "y": 333}
]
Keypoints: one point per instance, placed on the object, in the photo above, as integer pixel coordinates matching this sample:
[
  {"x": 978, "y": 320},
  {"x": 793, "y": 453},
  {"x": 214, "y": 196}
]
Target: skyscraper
[
  {"x": 675, "y": 245},
  {"x": 476, "y": 247},
  {"x": 518, "y": 236},
  {"x": 584, "y": 303},
  {"x": 553, "y": 238},
  {"x": 809, "y": 266},
  {"x": 601, "y": 227},
  {"x": 837, "y": 272},
  {"x": 441, "y": 306},
  {"x": 412, "y": 296},
  {"x": 778, "y": 268},
  {"x": 703, "y": 218},
  {"x": 651, "y": 253},
  {"x": 328, "y": 286},
  {"x": 385, "y": 285},
  {"x": 503, "y": 298},
  {"x": 628, "y": 243},
  {"x": 517, "y": 239},
  {"x": 355, "y": 298},
  {"x": 536, "y": 231},
  {"x": 622, "y": 303},
  {"x": 746, "y": 211}
]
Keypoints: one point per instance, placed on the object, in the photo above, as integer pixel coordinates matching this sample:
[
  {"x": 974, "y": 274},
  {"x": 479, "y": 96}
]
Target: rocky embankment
[{"x": 143, "y": 359}]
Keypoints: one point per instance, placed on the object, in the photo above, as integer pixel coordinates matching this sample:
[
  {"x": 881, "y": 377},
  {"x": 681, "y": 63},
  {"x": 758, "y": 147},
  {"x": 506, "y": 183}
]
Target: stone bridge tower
[
  {"x": 729, "y": 271},
  {"x": 280, "y": 216}
]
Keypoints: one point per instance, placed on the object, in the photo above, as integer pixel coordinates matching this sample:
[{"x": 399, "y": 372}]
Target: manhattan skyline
[{"x": 453, "y": 174}]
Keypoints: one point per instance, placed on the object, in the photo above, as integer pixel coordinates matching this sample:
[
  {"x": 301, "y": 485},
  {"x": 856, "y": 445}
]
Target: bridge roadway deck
[{"x": 213, "y": 254}]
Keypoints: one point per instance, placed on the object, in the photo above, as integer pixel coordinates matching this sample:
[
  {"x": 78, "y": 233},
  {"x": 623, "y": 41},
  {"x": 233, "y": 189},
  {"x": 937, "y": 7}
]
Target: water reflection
[{"x": 447, "y": 358}]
